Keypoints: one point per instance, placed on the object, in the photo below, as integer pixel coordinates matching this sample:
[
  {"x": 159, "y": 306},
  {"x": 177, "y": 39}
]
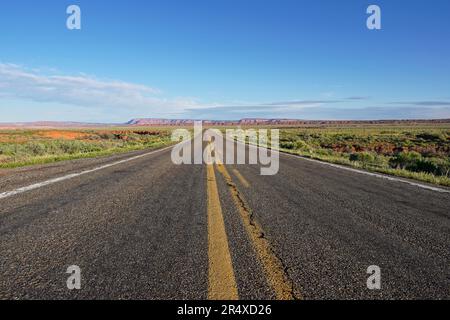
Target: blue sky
[{"x": 223, "y": 59}]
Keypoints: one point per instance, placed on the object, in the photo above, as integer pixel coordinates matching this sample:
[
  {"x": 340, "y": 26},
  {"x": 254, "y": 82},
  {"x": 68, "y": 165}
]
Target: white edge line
[
  {"x": 372, "y": 174},
  {"x": 7, "y": 194}
]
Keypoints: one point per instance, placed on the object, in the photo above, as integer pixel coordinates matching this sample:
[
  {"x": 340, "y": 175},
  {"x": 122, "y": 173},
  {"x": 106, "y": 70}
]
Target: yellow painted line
[
  {"x": 241, "y": 178},
  {"x": 273, "y": 267},
  {"x": 222, "y": 282}
]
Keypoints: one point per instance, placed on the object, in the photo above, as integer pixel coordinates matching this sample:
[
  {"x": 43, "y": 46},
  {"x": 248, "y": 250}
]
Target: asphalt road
[{"x": 146, "y": 228}]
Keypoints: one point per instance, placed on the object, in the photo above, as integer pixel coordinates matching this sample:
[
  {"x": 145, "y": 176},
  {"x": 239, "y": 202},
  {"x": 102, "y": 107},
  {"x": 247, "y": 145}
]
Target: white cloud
[
  {"x": 82, "y": 90},
  {"x": 47, "y": 93}
]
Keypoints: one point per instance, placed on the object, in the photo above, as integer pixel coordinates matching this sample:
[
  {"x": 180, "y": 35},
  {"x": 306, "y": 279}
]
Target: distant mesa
[
  {"x": 269, "y": 122},
  {"x": 159, "y": 122},
  {"x": 184, "y": 122},
  {"x": 190, "y": 122}
]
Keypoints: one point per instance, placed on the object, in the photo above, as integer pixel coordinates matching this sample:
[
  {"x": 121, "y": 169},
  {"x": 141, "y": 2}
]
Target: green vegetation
[
  {"x": 21, "y": 148},
  {"x": 421, "y": 153}
]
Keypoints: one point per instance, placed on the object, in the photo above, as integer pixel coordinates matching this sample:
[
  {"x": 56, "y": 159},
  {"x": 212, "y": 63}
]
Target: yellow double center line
[
  {"x": 273, "y": 267},
  {"x": 222, "y": 282}
]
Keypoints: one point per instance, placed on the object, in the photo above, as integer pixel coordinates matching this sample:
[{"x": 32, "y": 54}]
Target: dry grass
[
  {"x": 27, "y": 147},
  {"x": 417, "y": 152}
]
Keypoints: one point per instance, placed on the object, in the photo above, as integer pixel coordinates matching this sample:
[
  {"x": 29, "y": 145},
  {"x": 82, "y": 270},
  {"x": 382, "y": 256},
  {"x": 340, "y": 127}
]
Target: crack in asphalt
[{"x": 282, "y": 283}]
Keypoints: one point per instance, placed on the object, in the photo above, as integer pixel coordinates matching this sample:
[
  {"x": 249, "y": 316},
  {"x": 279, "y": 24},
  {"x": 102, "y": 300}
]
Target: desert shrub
[
  {"x": 290, "y": 145},
  {"x": 431, "y": 136},
  {"x": 3, "y": 158},
  {"x": 11, "y": 149},
  {"x": 71, "y": 147},
  {"x": 5, "y": 149},
  {"x": 107, "y": 136},
  {"x": 303, "y": 146},
  {"x": 344, "y": 137},
  {"x": 94, "y": 137},
  {"x": 362, "y": 157},
  {"x": 324, "y": 152},
  {"x": 35, "y": 149},
  {"x": 370, "y": 159},
  {"x": 434, "y": 166},
  {"x": 136, "y": 137},
  {"x": 405, "y": 160}
]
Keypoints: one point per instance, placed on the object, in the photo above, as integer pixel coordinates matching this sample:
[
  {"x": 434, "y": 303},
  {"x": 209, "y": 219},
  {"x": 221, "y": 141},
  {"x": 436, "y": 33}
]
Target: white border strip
[{"x": 73, "y": 175}]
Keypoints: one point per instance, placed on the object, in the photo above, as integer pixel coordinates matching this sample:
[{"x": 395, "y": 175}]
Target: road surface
[{"x": 141, "y": 227}]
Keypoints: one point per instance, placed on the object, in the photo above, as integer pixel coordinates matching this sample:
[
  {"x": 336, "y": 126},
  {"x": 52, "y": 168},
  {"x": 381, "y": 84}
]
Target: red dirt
[{"x": 65, "y": 135}]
